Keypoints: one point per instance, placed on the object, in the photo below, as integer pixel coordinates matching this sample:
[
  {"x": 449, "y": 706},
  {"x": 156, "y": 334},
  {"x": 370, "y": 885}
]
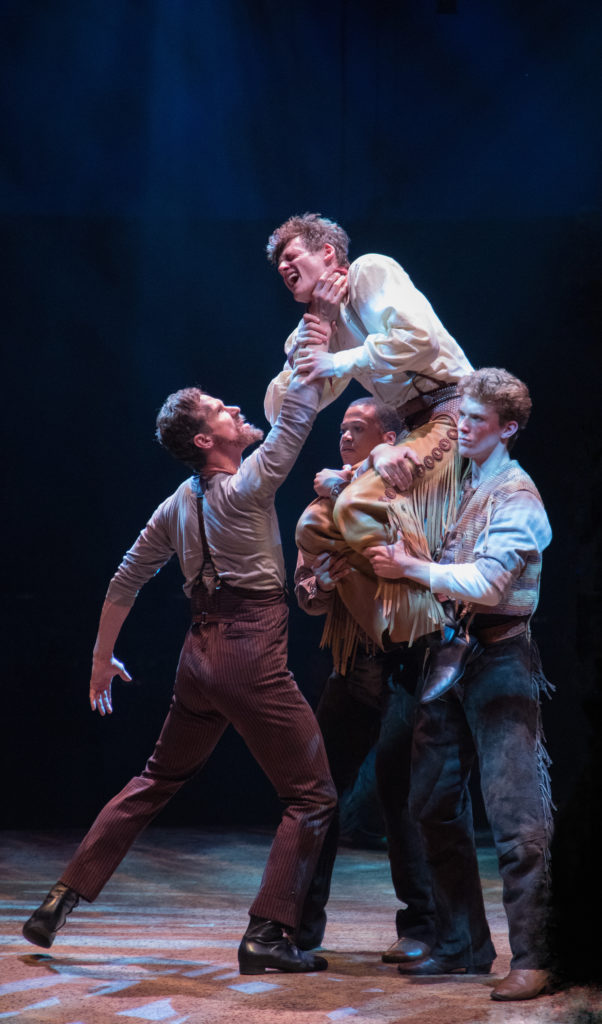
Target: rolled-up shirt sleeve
[
  {"x": 150, "y": 552},
  {"x": 519, "y": 527}
]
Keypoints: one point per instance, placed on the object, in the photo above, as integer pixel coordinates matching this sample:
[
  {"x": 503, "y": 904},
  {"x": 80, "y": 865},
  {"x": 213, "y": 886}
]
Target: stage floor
[{"x": 160, "y": 944}]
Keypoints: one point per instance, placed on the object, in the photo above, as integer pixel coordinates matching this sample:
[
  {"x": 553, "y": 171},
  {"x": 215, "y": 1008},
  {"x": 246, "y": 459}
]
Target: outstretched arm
[
  {"x": 104, "y": 664},
  {"x": 324, "y": 307}
]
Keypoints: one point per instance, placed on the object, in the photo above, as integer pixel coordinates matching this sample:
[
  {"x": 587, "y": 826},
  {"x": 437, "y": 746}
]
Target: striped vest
[{"x": 474, "y": 515}]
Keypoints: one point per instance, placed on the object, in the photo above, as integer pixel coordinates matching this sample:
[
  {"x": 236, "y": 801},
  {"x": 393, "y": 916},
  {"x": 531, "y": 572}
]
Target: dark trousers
[
  {"x": 498, "y": 722},
  {"x": 231, "y": 669},
  {"x": 372, "y": 705}
]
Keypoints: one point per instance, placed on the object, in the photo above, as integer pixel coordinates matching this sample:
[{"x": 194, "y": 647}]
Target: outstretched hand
[{"x": 103, "y": 672}]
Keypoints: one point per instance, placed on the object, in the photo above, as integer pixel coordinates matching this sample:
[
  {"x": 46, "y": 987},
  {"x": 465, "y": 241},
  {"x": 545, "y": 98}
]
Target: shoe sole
[
  {"x": 545, "y": 991},
  {"x": 260, "y": 967},
  {"x": 257, "y": 969},
  {"x": 446, "y": 972},
  {"x": 396, "y": 958}
]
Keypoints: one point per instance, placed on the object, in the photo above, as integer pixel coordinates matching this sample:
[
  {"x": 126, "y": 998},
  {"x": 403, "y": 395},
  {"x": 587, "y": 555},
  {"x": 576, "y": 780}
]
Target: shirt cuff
[
  {"x": 350, "y": 359},
  {"x": 310, "y": 598}
]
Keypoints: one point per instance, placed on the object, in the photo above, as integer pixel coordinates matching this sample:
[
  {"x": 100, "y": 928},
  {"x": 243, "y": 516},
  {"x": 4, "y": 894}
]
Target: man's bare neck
[{"x": 223, "y": 465}]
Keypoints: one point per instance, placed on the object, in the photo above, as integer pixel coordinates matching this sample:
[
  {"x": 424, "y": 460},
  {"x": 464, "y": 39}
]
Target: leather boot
[
  {"x": 446, "y": 665},
  {"x": 405, "y": 950},
  {"x": 431, "y": 966},
  {"x": 264, "y": 945},
  {"x": 522, "y": 983},
  {"x": 45, "y": 922}
]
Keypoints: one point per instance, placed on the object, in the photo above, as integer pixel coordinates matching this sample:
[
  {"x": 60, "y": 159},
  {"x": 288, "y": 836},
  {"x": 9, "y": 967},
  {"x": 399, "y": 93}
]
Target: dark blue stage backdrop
[{"x": 149, "y": 147}]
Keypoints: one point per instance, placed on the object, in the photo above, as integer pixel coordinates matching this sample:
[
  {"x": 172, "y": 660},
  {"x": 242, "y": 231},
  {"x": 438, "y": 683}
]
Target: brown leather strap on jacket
[{"x": 426, "y": 400}]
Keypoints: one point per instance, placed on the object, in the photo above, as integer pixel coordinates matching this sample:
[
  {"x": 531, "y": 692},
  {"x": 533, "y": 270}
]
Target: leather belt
[
  {"x": 229, "y": 602},
  {"x": 426, "y": 400},
  {"x": 503, "y": 631}
]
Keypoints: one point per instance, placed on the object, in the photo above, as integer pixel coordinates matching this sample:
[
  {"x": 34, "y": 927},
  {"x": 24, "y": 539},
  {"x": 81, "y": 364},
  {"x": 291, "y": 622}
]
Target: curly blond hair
[{"x": 508, "y": 395}]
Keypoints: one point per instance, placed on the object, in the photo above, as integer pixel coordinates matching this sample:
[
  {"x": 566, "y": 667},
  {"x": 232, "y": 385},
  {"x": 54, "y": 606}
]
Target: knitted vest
[{"x": 474, "y": 516}]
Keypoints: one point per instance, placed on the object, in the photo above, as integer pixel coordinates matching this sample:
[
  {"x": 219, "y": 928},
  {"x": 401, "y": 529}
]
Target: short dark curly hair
[
  {"x": 315, "y": 231},
  {"x": 508, "y": 395},
  {"x": 180, "y": 419}
]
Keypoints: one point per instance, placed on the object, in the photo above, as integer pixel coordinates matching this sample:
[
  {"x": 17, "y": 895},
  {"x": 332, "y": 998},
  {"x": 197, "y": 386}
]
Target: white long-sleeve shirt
[{"x": 387, "y": 334}]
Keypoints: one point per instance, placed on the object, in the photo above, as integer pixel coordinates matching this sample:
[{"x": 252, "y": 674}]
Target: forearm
[
  {"x": 265, "y": 469},
  {"x": 417, "y": 570},
  {"x": 462, "y": 583},
  {"x": 277, "y": 388},
  {"x": 112, "y": 618}
]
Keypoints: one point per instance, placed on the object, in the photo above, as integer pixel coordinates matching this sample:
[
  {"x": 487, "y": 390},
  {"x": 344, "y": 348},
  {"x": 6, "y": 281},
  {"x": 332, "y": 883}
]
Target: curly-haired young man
[{"x": 490, "y": 565}]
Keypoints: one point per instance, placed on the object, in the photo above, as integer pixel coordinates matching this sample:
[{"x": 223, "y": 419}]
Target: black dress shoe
[
  {"x": 446, "y": 665},
  {"x": 45, "y": 922},
  {"x": 265, "y": 946},
  {"x": 405, "y": 950},
  {"x": 432, "y": 966}
]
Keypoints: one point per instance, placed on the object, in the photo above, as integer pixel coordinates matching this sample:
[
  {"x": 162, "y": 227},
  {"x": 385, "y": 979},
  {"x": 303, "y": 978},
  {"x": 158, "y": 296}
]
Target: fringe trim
[
  {"x": 342, "y": 634},
  {"x": 422, "y": 517},
  {"x": 427, "y": 512},
  {"x": 542, "y": 686},
  {"x": 419, "y": 607}
]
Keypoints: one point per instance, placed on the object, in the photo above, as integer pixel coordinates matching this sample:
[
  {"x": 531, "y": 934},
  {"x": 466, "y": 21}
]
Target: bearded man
[{"x": 222, "y": 524}]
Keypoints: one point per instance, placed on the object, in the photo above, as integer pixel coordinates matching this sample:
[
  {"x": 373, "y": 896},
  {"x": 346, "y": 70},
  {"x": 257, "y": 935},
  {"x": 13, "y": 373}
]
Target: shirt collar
[{"x": 497, "y": 461}]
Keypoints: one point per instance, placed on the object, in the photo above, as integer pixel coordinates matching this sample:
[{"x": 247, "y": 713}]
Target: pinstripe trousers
[{"x": 232, "y": 669}]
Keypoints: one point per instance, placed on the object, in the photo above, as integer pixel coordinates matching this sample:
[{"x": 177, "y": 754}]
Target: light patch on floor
[
  {"x": 161, "y": 947},
  {"x": 253, "y": 988},
  {"x": 161, "y": 1010}
]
